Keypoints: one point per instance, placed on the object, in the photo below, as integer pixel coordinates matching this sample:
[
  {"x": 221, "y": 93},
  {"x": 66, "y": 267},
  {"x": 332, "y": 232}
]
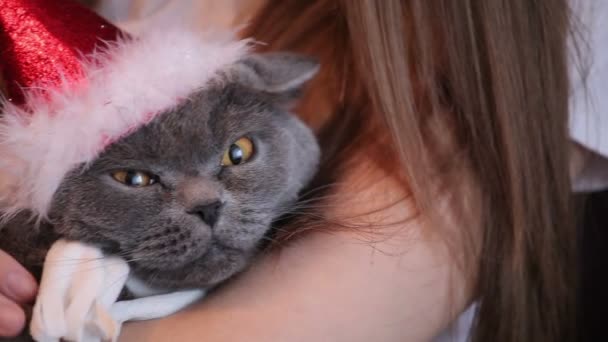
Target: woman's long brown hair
[{"x": 495, "y": 73}]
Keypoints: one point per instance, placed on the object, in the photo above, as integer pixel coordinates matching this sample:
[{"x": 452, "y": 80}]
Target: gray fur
[{"x": 152, "y": 227}]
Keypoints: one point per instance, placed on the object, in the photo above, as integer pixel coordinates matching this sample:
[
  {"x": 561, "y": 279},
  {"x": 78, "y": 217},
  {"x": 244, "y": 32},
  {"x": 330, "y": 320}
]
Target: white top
[
  {"x": 589, "y": 102},
  {"x": 589, "y": 107}
]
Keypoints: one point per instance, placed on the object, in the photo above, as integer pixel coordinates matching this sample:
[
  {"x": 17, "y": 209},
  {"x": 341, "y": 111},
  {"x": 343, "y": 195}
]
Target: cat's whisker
[
  {"x": 74, "y": 261},
  {"x": 100, "y": 266},
  {"x": 316, "y": 205},
  {"x": 269, "y": 239},
  {"x": 107, "y": 288},
  {"x": 320, "y": 188}
]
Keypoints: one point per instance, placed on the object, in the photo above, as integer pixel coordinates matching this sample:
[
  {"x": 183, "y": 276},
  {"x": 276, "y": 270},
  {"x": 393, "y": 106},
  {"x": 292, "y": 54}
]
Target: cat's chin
[{"x": 215, "y": 266}]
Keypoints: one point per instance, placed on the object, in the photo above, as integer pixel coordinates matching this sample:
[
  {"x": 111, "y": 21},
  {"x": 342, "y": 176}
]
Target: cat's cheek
[
  {"x": 166, "y": 196},
  {"x": 242, "y": 230}
]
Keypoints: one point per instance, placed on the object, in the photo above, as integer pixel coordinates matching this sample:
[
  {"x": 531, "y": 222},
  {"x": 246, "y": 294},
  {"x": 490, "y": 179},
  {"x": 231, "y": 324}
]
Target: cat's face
[{"x": 188, "y": 198}]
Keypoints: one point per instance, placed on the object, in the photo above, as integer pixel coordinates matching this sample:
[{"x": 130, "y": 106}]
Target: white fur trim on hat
[{"x": 124, "y": 86}]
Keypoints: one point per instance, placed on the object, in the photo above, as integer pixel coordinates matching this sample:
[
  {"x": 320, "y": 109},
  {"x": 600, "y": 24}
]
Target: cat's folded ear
[{"x": 281, "y": 74}]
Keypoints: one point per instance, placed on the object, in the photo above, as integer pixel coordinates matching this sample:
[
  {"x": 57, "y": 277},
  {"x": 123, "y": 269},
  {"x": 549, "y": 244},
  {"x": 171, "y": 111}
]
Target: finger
[
  {"x": 12, "y": 318},
  {"x": 16, "y": 282}
]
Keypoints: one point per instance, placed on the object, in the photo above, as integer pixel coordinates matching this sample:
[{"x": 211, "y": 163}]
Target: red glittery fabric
[{"x": 42, "y": 40}]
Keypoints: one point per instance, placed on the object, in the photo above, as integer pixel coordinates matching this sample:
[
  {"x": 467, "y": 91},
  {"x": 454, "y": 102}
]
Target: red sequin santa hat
[{"x": 75, "y": 84}]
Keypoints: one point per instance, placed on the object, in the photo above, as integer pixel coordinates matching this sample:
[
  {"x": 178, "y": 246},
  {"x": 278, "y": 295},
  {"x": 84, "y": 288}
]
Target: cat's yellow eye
[
  {"x": 238, "y": 153},
  {"x": 134, "y": 178}
]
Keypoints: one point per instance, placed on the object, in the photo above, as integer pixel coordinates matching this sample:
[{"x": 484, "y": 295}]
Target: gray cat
[{"x": 188, "y": 198}]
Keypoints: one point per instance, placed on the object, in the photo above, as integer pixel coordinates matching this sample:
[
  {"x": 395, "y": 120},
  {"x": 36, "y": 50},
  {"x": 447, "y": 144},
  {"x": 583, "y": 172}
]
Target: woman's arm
[{"x": 332, "y": 287}]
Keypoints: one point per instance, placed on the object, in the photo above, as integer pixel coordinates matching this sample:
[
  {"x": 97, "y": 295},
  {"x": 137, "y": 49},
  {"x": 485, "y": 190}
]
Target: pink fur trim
[{"x": 71, "y": 125}]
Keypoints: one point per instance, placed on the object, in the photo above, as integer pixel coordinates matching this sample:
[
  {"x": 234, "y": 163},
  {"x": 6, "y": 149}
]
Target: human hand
[{"x": 17, "y": 287}]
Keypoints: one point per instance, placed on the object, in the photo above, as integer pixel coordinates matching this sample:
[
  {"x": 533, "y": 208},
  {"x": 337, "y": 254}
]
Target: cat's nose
[{"x": 208, "y": 212}]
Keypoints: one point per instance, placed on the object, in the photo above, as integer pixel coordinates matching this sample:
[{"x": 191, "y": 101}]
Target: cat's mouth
[
  {"x": 225, "y": 247},
  {"x": 214, "y": 248}
]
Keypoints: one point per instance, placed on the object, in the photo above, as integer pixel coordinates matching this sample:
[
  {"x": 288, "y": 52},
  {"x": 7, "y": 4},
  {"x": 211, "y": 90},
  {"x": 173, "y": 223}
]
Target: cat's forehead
[
  {"x": 215, "y": 114},
  {"x": 226, "y": 102},
  {"x": 199, "y": 127}
]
